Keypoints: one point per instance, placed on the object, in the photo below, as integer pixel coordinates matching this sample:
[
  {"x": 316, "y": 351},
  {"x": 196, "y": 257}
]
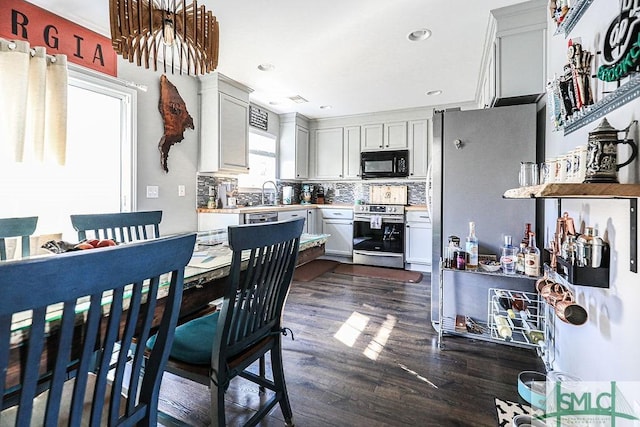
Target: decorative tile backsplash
[{"x": 334, "y": 192}]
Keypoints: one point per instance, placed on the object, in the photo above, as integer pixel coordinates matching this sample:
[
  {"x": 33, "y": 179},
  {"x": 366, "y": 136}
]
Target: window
[
  {"x": 262, "y": 161},
  {"x": 98, "y": 174}
]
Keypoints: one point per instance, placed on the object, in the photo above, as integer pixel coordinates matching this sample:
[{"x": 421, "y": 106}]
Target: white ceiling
[{"x": 350, "y": 54}]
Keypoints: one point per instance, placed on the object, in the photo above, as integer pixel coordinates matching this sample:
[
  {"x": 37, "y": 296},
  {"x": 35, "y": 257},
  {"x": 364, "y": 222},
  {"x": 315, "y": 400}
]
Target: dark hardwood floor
[{"x": 365, "y": 354}]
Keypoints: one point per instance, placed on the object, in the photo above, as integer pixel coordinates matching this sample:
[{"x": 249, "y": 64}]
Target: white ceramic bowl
[{"x": 490, "y": 266}]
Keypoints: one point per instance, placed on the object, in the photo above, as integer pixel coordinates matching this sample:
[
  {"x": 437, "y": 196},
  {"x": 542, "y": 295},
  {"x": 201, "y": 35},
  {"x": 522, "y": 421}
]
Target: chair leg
[
  {"x": 217, "y": 404},
  {"x": 281, "y": 387},
  {"x": 263, "y": 373}
]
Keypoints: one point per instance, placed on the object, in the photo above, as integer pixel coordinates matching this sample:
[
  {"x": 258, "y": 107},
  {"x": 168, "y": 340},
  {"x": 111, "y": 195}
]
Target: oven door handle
[
  {"x": 374, "y": 253},
  {"x": 387, "y": 219}
]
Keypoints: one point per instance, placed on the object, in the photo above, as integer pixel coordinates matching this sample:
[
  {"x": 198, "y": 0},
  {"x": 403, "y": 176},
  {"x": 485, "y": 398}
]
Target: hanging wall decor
[{"x": 175, "y": 116}]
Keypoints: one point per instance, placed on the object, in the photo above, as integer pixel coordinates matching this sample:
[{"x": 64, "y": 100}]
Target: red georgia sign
[{"x": 20, "y": 20}]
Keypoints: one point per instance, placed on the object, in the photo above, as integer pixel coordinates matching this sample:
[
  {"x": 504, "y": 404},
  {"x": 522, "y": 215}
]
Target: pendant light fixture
[{"x": 183, "y": 37}]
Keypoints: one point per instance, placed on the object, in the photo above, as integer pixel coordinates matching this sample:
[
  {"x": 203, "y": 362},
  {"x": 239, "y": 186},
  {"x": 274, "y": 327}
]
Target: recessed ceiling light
[
  {"x": 434, "y": 92},
  {"x": 418, "y": 35},
  {"x": 266, "y": 67},
  {"x": 325, "y": 107}
]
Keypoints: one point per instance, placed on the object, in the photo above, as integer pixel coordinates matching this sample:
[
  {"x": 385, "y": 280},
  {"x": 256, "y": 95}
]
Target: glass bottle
[
  {"x": 527, "y": 230},
  {"x": 520, "y": 258},
  {"x": 502, "y": 327},
  {"x": 211, "y": 203},
  {"x": 532, "y": 257},
  {"x": 472, "y": 247},
  {"x": 508, "y": 256}
]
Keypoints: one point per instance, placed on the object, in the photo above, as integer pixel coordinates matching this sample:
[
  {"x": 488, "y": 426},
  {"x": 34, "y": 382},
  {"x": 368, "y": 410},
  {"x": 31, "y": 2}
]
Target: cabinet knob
[
  {"x": 407, "y": 225},
  {"x": 380, "y": 146}
]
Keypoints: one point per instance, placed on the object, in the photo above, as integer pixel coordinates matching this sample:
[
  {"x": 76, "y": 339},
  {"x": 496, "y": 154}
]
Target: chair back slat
[
  {"x": 118, "y": 303},
  {"x": 17, "y": 227},
  {"x": 254, "y": 299},
  {"x": 122, "y": 227}
]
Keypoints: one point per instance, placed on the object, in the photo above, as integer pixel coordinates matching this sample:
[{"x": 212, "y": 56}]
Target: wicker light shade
[{"x": 184, "y": 37}]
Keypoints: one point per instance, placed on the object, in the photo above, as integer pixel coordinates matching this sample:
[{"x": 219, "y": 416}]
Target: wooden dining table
[{"x": 204, "y": 282}]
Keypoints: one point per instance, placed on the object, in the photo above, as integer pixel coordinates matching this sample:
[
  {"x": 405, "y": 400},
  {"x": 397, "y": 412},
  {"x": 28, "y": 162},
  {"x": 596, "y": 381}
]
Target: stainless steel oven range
[{"x": 378, "y": 235}]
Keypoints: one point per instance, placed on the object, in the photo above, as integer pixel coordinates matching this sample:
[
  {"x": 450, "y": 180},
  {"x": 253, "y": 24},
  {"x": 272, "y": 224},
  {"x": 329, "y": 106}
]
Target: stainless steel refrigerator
[{"x": 476, "y": 156}]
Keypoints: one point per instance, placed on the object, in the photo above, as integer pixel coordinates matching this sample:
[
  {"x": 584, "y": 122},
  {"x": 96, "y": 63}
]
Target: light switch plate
[
  {"x": 181, "y": 191},
  {"x": 152, "y": 191}
]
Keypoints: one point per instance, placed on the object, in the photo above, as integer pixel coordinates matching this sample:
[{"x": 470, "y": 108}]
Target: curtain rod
[{"x": 11, "y": 45}]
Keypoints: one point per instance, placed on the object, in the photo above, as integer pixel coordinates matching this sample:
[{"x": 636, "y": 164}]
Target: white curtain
[{"x": 33, "y": 104}]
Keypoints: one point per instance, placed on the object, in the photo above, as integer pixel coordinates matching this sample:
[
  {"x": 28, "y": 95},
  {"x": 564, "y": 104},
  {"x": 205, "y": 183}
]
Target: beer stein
[{"x": 602, "y": 153}]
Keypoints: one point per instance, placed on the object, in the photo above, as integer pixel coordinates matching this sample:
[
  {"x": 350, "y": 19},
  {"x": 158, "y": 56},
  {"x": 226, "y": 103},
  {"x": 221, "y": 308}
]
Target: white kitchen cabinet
[
  {"x": 293, "y": 151},
  {"x": 514, "y": 58},
  {"x": 299, "y": 213},
  {"x": 418, "y": 146},
  {"x": 224, "y": 127},
  {"x": 351, "y": 156},
  {"x": 329, "y": 153},
  {"x": 395, "y": 135},
  {"x": 218, "y": 221},
  {"x": 372, "y": 137},
  {"x": 385, "y": 136},
  {"x": 339, "y": 224},
  {"x": 312, "y": 222},
  {"x": 418, "y": 241}
]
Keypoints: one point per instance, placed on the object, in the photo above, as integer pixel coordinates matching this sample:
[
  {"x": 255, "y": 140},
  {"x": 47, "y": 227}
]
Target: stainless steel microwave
[{"x": 384, "y": 164}]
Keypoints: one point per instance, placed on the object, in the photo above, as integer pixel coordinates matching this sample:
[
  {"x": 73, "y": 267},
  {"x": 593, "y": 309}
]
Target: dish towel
[{"x": 376, "y": 222}]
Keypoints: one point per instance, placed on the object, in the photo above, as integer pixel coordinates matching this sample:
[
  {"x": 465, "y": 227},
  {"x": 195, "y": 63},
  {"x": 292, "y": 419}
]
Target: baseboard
[{"x": 424, "y": 268}]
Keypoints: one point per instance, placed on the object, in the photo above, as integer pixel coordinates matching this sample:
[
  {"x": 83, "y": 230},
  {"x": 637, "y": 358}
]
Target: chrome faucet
[{"x": 275, "y": 194}]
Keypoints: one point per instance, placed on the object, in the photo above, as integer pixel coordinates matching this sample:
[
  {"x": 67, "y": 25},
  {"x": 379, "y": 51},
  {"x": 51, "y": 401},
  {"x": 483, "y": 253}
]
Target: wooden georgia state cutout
[{"x": 175, "y": 116}]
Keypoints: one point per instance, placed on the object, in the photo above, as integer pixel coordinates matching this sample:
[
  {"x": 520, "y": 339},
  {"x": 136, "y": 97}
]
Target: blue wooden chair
[
  {"x": 122, "y": 227},
  {"x": 216, "y": 348},
  {"x": 118, "y": 301},
  {"x": 17, "y": 227}
]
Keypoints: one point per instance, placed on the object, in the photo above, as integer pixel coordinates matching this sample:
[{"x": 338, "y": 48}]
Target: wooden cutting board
[{"x": 388, "y": 194}]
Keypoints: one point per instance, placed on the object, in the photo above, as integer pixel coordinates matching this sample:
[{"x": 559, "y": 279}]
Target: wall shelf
[
  {"x": 572, "y": 17},
  {"x": 589, "y": 191},
  {"x": 612, "y": 101},
  {"x": 575, "y": 191}
]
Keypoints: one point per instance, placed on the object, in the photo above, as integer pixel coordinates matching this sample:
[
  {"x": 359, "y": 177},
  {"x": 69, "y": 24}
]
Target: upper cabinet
[
  {"x": 224, "y": 125},
  {"x": 515, "y": 55},
  {"x": 419, "y": 143},
  {"x": 384, "y": 136},
  {"x": 329, "y": 153},
  {"x": 293, "y": 150},
  {"x": 351, "y": 152}
]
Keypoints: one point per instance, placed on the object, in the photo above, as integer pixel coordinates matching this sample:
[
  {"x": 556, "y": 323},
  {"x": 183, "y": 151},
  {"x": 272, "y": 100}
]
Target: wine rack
[{"x": 523, "y": 315}]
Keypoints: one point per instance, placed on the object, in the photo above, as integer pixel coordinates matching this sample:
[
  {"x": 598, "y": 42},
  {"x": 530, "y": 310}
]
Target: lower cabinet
[
  {"x": 218, "y": 221},
  {"x": 418, "y": 241},
  {"x": 301, "y": 213},
  {"x": 339, "y": 224}
]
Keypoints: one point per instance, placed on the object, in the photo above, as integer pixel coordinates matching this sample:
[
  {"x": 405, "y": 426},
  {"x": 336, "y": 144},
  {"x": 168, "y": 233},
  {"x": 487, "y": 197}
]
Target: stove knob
[{"x": 392, "y": 209}]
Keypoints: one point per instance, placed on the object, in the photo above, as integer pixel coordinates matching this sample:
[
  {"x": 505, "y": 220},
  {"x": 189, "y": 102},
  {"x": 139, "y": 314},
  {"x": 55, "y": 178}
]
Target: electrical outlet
[
  {"x": 152, "y": 191},
  {"x": 212, "y": 190},
  {"x": 337, "y": 192},
  {"x": 181, "y": 190}
]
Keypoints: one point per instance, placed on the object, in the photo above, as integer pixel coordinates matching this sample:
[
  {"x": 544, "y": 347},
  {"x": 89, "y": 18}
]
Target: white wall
[
  {"x": 606, "y": 347},
  {"x": 179, "y": 213}
]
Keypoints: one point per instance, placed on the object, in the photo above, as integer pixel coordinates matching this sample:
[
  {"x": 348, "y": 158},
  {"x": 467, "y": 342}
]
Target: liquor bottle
[
  {"x": 508, "y": 257},
  {"x": 532, "y": 257},
  {"x": 472, "y": 247},
  {"x": 520, "y": 258},
  {"x": 527, "y": 230}
]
